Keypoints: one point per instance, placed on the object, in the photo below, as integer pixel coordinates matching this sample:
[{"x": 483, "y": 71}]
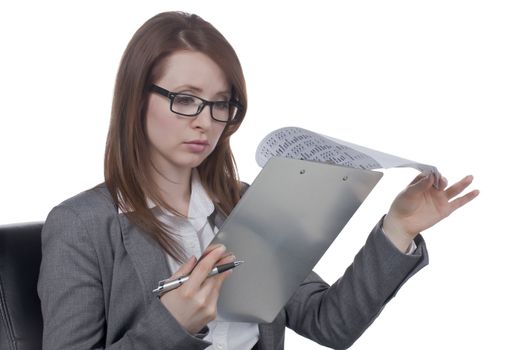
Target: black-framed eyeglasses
[{"x": 191, "y": 106}]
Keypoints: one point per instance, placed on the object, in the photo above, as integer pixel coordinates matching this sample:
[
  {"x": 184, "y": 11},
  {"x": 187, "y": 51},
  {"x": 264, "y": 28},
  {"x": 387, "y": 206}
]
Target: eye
[
  {"x": 222, "y": 105},
  {"x": 185, "y": 100}
]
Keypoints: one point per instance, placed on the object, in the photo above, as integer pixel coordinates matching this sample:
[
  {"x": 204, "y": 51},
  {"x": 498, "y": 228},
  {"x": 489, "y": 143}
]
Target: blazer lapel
[{"x": 146, "y": 255}]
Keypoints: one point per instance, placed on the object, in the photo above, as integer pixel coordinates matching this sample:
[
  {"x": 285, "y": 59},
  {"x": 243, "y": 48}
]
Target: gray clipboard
[{"x": 281, "y": 227}]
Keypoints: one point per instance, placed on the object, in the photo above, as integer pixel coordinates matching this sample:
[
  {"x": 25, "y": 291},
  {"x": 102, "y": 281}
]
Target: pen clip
[
  {"x": 160, "y": 288},
  {"x": 163, "y": 282}
]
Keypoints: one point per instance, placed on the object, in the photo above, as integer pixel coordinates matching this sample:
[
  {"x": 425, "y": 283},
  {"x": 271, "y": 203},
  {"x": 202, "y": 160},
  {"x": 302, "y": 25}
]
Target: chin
[
  {"x": 190, "y": 163},
  {"x": 185, "y": 160}
]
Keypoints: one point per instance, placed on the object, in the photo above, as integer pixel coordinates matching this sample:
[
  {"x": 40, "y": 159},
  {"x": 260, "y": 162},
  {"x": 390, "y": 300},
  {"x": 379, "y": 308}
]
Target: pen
[{"x": 167, "y": 285}]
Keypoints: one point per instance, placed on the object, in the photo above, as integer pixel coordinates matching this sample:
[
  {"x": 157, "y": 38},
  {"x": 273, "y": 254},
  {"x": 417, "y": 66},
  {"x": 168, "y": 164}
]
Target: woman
[{"x": 170, "y": 179}]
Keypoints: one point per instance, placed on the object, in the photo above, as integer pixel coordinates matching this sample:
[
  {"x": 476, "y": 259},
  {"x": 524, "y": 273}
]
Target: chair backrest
[{"x": 20, "y": 256}]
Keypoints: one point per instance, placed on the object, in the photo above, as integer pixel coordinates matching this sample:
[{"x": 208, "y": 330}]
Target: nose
[{"x": 203, "y": 120}]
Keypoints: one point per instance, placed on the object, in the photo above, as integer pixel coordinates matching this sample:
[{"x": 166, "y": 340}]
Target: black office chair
[{"x": 20, "y": 256}]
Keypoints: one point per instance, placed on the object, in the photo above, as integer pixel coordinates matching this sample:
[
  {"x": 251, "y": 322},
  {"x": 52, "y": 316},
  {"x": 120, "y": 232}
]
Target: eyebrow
[
  {"x": 189, "y": 87},
  {"x": 199, "y": 90}
]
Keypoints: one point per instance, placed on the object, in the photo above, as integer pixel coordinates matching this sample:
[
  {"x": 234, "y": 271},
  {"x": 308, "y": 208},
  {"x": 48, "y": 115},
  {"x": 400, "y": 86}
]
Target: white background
[{"x": 439, "y": 82}]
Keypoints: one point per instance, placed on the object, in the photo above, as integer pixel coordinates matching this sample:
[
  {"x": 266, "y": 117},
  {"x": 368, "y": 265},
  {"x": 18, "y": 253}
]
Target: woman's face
[{"x": 179, "y": 143}]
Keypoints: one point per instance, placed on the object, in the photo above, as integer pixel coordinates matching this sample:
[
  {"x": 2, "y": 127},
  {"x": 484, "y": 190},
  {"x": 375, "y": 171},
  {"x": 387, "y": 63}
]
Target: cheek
[
  {"x": 160, "y": 128},
  {"x": 217, "y": 132}
]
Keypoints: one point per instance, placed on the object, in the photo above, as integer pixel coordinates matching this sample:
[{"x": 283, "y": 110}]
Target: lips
[
  {"x": 197, "y": 146},
  {"x": 197, "y": 142}
]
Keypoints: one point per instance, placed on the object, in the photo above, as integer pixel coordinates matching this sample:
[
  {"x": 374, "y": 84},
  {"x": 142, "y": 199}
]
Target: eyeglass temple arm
[{"x": 160, "y": 90}]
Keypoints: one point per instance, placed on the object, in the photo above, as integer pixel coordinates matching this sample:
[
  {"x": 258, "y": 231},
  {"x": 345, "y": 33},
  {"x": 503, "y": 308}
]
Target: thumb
[
  {"x": 186, "y": 268},
  {"x": 420, "y": 186}
]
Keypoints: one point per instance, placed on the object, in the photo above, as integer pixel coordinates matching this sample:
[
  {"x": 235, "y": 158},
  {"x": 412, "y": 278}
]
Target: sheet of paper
[{"x": 298, "y": 143}]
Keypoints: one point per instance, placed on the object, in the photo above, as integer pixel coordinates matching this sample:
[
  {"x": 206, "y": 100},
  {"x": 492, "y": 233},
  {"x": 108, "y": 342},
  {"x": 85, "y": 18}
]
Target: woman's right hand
[{"x": 194, "y": 304}]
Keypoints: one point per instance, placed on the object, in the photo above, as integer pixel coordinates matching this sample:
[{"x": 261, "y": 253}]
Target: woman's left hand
[{"x": 421, "y": 205}]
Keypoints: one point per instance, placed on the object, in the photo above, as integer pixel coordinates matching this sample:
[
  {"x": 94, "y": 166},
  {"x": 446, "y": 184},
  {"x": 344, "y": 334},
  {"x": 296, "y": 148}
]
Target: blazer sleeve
[
  {"x": 335, "y": 316},
  {"x": 72, "y": 295}
]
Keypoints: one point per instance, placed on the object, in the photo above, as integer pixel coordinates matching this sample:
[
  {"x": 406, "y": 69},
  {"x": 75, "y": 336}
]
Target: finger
[
  {"x": 458, "y": 187},
  {"x": 221, "y": 276},
  {"x": 228, "y": 258},
  {"x": 423, "y": 184},
  {"x": 212, "y": 285},
  {"x": 205, "y": 265},
  {"x": 443, "y": 182},
  {"x": 418, "y": 178},
  {"x": 209, "y": 249},
  {"x": 461, "y": 201},
  {"x": 186, "y": 268},
  {"x": 212, "y": 247}
]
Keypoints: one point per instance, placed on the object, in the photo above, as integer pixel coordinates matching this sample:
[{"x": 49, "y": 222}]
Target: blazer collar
[{"x": 147, "y": 256}]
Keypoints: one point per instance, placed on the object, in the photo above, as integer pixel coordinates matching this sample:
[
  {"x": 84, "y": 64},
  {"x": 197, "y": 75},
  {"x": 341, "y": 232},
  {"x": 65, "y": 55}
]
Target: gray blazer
[{"x": 98, "y": 271}]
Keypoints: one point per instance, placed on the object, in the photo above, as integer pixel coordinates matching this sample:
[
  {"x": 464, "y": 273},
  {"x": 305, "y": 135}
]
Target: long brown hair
[{"x": 127, "y": 163}]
